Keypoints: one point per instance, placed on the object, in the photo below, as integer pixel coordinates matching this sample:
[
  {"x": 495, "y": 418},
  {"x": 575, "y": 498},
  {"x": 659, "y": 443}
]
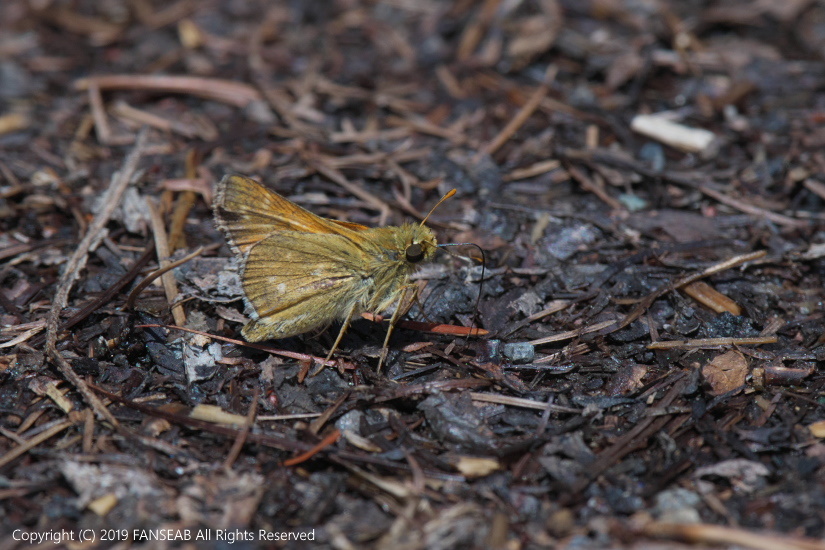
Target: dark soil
[{"x": 653, "y": 369}]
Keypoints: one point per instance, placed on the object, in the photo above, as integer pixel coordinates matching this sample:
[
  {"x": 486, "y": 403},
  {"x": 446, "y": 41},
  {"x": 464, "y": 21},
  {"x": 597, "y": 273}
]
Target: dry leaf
[{"x": 726, "y": 372}]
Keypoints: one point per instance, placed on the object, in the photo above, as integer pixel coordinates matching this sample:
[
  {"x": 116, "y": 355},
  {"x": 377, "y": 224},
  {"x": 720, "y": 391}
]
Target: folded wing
[
  {"x": 296, "y": 282},
  {"x": 249, "y": 212}
]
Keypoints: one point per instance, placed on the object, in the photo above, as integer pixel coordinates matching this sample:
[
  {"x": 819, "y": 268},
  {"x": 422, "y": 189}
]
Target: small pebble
[{"x": 519, "y": 352}]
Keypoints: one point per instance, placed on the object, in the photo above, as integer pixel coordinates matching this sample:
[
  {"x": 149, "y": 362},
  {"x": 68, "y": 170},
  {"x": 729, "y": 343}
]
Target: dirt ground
[{"x": 645, "y": 179}]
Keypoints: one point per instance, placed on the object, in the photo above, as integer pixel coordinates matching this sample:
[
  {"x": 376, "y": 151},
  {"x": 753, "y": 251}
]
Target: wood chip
[
  {"x": 661, "y": 128},
  {"x": 471, "y": 466},
  {"x": 712, "y": 298},
  {"x": 216, "y": 415}
]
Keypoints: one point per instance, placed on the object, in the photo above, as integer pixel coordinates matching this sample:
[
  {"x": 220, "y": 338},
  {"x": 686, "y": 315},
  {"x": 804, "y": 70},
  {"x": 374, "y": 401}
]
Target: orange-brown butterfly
[{"x": 301, "y": 272}]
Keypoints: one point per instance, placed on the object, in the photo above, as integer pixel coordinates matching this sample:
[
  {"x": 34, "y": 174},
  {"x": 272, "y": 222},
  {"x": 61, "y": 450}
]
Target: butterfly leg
[
  {"x": 404, "y": 305},
  {"x": 341, "y": 332}
]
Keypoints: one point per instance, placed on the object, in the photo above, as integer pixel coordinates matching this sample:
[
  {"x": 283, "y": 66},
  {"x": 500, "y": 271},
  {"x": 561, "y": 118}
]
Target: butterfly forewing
[{"x": 249, "y": 212}]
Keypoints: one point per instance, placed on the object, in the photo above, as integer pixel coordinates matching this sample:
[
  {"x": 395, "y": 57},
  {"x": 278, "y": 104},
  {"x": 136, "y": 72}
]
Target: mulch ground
[{"x": 645, "y": 179}]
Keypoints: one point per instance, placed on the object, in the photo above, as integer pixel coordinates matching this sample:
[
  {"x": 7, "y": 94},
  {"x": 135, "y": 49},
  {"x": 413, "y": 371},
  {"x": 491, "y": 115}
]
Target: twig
[
  {"x": 474, "y": 32},
  {"x": 387, "y": 98},
  {"x": 450, "y": 82},
  {"x": 243, "y": 433},
  {"x": 126, "y": 111},
  {"x": 104, "y": 133},
  {"x": 815, "y": 187},
  {"x": 670, "y": 132},
  {"x": 107, "y": 295},
  {"x": 323, "y": 444},
  {"x": 120, "y": 181},
  {"x": 21, "y": 338},
  {"x": 521, "y": 402},
  {"x": 533, "y": 170},
  {"x": 233, "y": 93},
  {"x": 316, "y": 425},
  {"x": 520, "y": 118},
  {"x": 278, "y": 417},
  {"x": 325, "y": 169},
  {"x": 424, "y": 126},
  {"x": 369, "y": 135},
  {"x": 571, "y": 333},
  {"x": 719, "y": 534},
  {"x": 162, "y": 248},
  {"x": 434, "y": 328},
  {"x": 280, "y": 101},
  {"x": 559, "y": 356},
  {"x": 130, "y": 301},
  {"x": 713, "y": 342},
  {"x": 753, "y": 210},
  {"x": 589, "y": 185},
  {"x": 183, "y": 206},
  {"x": 711, "y": 298},
  {"x": 16, "y": 186},
  {"x": 36, "y": 440},
  {"x": 368, "y": 159}
]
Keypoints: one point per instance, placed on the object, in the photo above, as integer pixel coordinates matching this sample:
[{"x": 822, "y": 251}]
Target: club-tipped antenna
[
  {"x": 449, "y": 194},
  {"x": 443, "y": 246}
]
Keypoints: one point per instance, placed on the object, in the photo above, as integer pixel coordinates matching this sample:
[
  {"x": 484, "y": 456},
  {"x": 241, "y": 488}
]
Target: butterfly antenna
[
  {"x": 480, "y": 281},
  {"x": 444, "y": 198}
]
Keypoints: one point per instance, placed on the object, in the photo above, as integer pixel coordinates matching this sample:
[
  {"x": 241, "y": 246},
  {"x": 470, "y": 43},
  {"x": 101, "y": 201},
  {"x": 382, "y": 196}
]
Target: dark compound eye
[{"x": 415, "y": 253}]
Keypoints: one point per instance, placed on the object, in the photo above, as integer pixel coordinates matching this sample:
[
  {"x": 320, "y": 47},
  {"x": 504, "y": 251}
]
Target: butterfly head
[{"x": 421, "y": 245}]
